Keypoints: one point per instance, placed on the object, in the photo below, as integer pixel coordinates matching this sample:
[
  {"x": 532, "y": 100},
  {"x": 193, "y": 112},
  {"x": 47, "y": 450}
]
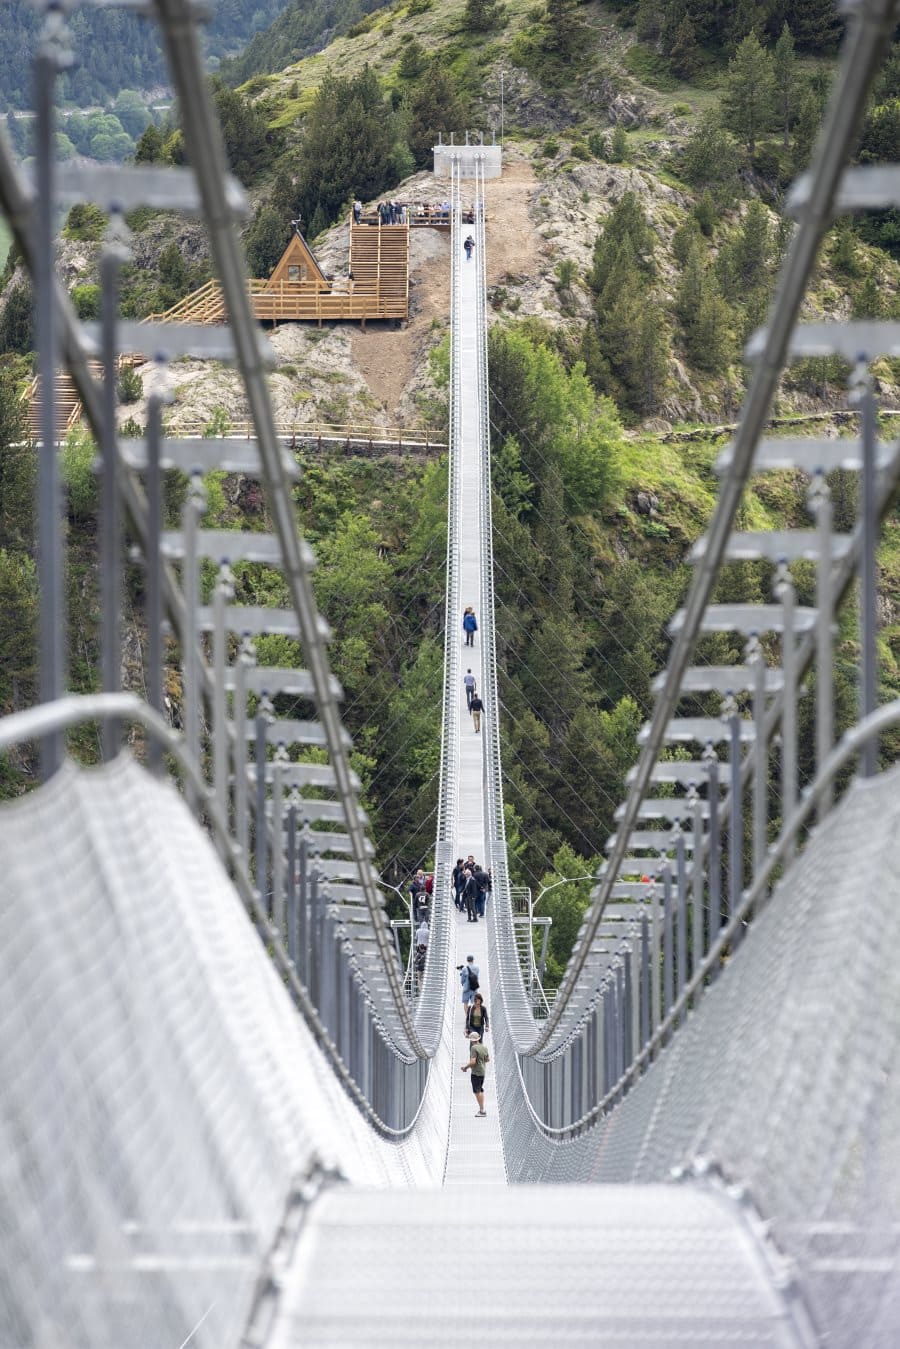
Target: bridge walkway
[{"x": 476, "y": 1152}]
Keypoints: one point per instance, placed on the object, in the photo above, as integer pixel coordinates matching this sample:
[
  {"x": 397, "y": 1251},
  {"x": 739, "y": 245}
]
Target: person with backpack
[
  {"x": 470, "y": 625},
  {"x": 468, "y": 976},
  {"x": 476, "y": 707},
  {"x": 477, "y": 1017},
  {"x": 479, "y": 1058},
  {"x": 469, "y": 683},
  {"x": 468, "y": 245}
]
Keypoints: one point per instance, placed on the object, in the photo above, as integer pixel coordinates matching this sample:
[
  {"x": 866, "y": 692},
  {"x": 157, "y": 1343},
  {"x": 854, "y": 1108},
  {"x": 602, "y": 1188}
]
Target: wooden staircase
[
  {"x": 68, "y": 404},
  {"x": 379, "y": 265},
  {"x": 205, "y": 305}
]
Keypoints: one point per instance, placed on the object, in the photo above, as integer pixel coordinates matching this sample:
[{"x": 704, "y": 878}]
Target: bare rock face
[{"x": 189, "y": 235}]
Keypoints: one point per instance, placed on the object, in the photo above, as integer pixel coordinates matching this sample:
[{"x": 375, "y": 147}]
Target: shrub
[
  {"x": 618, "y": 149},
  {"x": 130, "y": 387},
  {"x": 578, "y": 150},
  {"x": 86, "y": 300},
  {"x": 78, "y": 457},
  {"x": 218, "y": 424},
  {"x": 417, "y": 7},
  {"x": 131, "y": 430},
  {"x": 597, "y": 144},
  {"x": 550, "y": 147},
  {"x": 85, "y": 223},
  {"x": 567, "y": 273}
]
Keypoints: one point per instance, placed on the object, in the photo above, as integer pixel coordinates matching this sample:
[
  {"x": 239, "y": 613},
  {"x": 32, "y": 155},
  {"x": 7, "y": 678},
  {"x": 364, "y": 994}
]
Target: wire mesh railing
[
  {"x": 691, "y": 861},
  {"x": 285, "y": 787}
]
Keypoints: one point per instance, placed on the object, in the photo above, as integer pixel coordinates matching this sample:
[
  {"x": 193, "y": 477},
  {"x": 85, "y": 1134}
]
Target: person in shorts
[{"x": 479, "y": 1058}]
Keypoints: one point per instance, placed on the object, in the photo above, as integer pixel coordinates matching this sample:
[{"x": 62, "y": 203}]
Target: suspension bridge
[{"x": 228, "y": 1116}]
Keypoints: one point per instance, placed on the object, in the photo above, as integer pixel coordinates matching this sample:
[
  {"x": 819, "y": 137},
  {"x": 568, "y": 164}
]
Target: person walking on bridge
[
  {"x": 470, "y": 625},
  {"x": 476, "y": 707},
  {"x": 468, "y": 245},
  {"x": 479, "y": 1058},
  {"x": 470, "y": 896},
  {"x": 469, "y": 682},
  {"x": 477, "y": 1017},
  {"x": 468, "y": 974}
]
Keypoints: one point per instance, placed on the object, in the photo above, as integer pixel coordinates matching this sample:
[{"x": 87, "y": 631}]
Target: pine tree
[
  {"x": 784, "y": 64},
  {"x": 563, "y": 32},
  {"x": 749, "y": 94},
  {"x": 754, "y": 245},
  {"x": 625, "y": 221},
  {"x": 149, "y": 149},
  {"x": 480, "y": 16},
  {"x": 685, "y": 54},
  {"x": 649, "y": 358},
  {"x": 815, "y": 24},
  {"x": 806, "y": 127},
  {"x": 709, "y": 338},
  {"x": 437, "y": 105},
  {"x": 265, "y": 242}
]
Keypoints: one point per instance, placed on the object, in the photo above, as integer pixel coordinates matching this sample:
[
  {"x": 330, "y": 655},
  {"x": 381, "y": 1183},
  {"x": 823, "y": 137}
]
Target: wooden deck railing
[{"x": 399, "y": 438}]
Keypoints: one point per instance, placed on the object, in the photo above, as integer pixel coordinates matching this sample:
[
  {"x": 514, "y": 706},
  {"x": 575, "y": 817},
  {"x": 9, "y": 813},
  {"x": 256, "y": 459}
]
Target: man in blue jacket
[{"x": 470, "y": 626}]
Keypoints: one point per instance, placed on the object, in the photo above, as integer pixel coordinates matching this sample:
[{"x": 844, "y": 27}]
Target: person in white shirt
[{"x": 469, "y": 682}]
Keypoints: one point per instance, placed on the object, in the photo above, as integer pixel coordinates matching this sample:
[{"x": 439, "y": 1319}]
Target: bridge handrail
[{"x": 34, "y": 723}]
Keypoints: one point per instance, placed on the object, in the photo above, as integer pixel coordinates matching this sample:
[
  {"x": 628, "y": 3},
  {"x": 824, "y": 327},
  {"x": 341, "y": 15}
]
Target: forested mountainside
[
  {"x": 113, "y": 50},
  {"x": 633, "y": 242}
]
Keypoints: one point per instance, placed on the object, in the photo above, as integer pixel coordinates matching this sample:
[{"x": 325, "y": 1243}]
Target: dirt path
[{"x": 388, "y": 359}]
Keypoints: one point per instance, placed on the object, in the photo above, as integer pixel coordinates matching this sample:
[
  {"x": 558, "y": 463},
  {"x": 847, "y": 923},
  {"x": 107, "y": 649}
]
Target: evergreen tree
[
  {"x": 149, "y": 149},
  {"x": 684, "y": 54},
  {"x": 436, "y": 106},
  {"x": 563, "y": 32},
  {"x": 349, "y": 148},
  {"x": 749, "y": 17},
  {"x": 784, "y": 65},
  {"x": 17, "y": 319},
  {"x": 749, "y": 93},
  {"x": 710, "y": 158},
  {"x": 266, "y": 240},
  {"x": 413, "y": 61},
  {"x": 625, "y": 221},
  {"x": 815, "y": 24},
  {"x": 480, "y": 16},
  {"x": 754, "y": 245},
  {"x": 649, "y": 359},
  {"x": 806, "y": 128},
  {"x": 249, "y": 142},
  {"x": 708, "y": 338},
  {"x": 880, "y": 141}
]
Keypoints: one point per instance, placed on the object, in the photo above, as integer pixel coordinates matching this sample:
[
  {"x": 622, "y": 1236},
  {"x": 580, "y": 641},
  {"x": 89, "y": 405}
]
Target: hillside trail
[{"x": 388, "y": 359}]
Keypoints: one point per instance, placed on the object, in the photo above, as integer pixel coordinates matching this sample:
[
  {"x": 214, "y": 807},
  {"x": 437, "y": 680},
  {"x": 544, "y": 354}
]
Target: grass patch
[
  {"x": 650, "y": 68},
  {"x": 680, "y": 476},
  {"x": 5, "y": 241}
]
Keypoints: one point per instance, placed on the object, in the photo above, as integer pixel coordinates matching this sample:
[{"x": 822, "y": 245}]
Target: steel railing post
[
  {"x": 114, "y": 254},
  {"x": 52, "y": 56}
]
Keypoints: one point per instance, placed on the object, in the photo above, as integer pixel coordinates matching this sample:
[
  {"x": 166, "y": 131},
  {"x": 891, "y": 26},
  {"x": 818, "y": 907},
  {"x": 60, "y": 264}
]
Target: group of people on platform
[
  {"x": 471, "y": 887},
  {"x": 401, "y": 212}
]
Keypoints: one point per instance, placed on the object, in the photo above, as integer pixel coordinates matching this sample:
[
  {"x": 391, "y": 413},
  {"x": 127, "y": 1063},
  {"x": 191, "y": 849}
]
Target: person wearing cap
[{"x": 479, "y": 1058}]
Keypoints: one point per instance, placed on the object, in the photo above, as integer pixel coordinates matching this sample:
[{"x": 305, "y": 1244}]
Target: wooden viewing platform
[{"x": 377, "y": 285}]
